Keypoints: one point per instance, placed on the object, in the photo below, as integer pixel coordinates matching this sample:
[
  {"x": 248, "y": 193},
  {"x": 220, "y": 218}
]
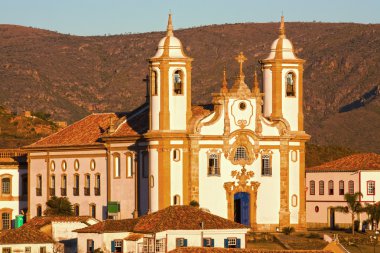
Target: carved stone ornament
[{"x": 242, "y": 140}]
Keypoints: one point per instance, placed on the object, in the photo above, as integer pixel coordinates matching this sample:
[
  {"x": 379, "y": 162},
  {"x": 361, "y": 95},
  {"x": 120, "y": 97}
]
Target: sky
[{"x": 99, "y": 17}]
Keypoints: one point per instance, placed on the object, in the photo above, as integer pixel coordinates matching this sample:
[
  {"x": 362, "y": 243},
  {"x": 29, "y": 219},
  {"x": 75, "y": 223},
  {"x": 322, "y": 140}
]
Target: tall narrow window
[
  {"x": 177, "y": 200},
  {"x": 312, "y": 187},
  {"x": 90, "y": 246},
  {"x": 39, "y": 211},
  {"x": 97, "y": 185},
  {"x": 351, "y": 187},
  {"x": 176, "y": 155},
  {"x": 240, "y": 153},
  {"x": 331, "y": 187},
  {"x": 213, "y": 165},
  {"x": 24, "y": 185},
  {"x": 93, "y": 210},
  {"x": 87, "y": 184},
  {"x": 6, "y": 185},
  {"x": 370, "y": 187},
  {"x": 52, "y": 185},
  {"x": 39, "y": 185},
  {"x": 43, "y": 249},
  {"x": 341, "y": 187},
  {"x": 129, "y": 161},
  {"x": 154, "y": 84},
  {"x": 266, "y": 168},
  {"x": 321, "y": 187},
  {"x": 116, "y": 165},
  {"x": 5, "y": 221},
  {"x": 178, "y": 82},
  {"x": 63, "y": 185},
  {"x": 290, "y": 84},
  {"x": 76, "y": 185},
  {"x": 76, "y": 210},
  {"x": 118, "y": 245}
]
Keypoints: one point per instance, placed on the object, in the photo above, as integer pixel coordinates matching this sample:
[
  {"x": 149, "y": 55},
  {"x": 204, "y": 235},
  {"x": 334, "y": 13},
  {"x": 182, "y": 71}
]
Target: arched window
[
  {"x": 63, "y": 185},
  {"x": 6, "y": 185},
  {"x": 177, "y": 200},
  {"x": 6, "y": 220},
  {"x": 154, "y": 84},
  {"x": 97, "y": 185},
  {"x": 178, "y": 82},
  {"x": 266, "y": 166},
  {"x": 240, "y": 153},
  {"x": 52, "y": 185},
  {"x": 76, "y": 185},
  {"x": 116, "y": 165},
  {"x": 213, "y": 165},
  {"x": 351, "y": 187},
  {"x": 39, "y": 185},
  {"x": 52, "y": 166},
  {"x": 321, "y": 187},
  {"x": 290, "y": 81},
  {"x": 341, "y": 187},
  {"x": 87, "y": 184},
  {"x": 76, "y": 210},
  {"x": 93, "y": 210},
  {"x": 39, "y": 211},
  {"x": 176, "y": 155},
  {"x": 129, "y": 165},
  {"x": 312, "y": 187},
  {"x": 331, "y": 187}
]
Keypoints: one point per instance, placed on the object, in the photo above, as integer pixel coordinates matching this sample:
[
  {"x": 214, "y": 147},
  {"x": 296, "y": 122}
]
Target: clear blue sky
[{"x": 98, "y": 17}]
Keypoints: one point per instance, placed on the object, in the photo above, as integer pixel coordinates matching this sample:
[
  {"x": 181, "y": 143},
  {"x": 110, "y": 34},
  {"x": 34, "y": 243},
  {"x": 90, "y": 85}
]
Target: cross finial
[
  {"x": 224, "y": 83},
  {"x": 169, "y": 29},
  {"x": 282, "y": 26},
  {"x": 241, "y": 59}
]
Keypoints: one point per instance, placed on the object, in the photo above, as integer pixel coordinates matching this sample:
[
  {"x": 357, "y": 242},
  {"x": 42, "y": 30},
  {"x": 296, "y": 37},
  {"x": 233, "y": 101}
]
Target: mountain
[{"x": 71, "y": 76}]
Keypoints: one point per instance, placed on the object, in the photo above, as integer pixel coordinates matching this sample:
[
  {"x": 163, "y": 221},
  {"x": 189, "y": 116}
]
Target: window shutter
[
  {"x": 237, "y": 243},
  {"x": 204, "y": 242},
  {"x": 92, "y": 246},
  {"x": 226, "y": 243},
  {"x": 212, "y": 242},
  {"x": 112, "y": 246},
  {"x": 184, "y": 242}
]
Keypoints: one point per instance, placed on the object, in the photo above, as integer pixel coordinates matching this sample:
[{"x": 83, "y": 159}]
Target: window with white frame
[
  {"x": 116, "y": 165},
  {"x": 321, "y": 187},
  {"x": 118, "y": 245},
  {"x": 160, "y": 245},
  {"x": 148, "y": 245},
  {"x": 232, "y": 242},
  {"x": 213, "y": 165},
  {"x": 180, "y": 242},
  {"x": 129, "y": 164},
  {"x": 370, "y": 187},
  {"x": 6, "y": 185},
  {"x": 240, "y": 153},
  {"x": 5, "y": 221},
  {"x": 28, "y": 250},
  {"x": 208, "y": 242},
  {"x": 351, "y": 187},
  {"x": 266, "y": 168}
]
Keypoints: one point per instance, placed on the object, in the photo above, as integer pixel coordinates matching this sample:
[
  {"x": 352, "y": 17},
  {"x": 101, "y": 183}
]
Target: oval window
[
  {"x": 294, "y": 200},
  {"x": 316, "y": 209},
  {"x": 76, "y": 164},
  {"x": 64, "y": 165},
  {"x": 52, "y": 166},
  {"x": 242, "y": 106},
  {"x": 92, "y": 164}
]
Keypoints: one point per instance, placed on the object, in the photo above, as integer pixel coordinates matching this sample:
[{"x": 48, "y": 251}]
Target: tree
[
  {"x": 59, "y": 207},
  {"x": 373, "y": 212},
  {"x": 353, "y": 207}
]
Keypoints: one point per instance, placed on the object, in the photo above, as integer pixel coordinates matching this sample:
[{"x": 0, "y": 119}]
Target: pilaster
[{"x": 284, "y": 219}]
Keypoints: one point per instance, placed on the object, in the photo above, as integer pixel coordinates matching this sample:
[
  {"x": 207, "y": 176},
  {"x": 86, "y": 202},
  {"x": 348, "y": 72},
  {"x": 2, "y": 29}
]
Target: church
[{"x": 243, "y": 158}]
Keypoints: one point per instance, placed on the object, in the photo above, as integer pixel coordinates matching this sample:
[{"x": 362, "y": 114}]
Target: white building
[
  {"x": 13, "y": 185},
  {"x": 163, "y": 231},
  {"x": 243, "y": 157},
  {"x": 327, "y": 184}
]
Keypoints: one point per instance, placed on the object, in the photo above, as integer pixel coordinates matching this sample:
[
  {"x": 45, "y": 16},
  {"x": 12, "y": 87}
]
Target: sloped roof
[
  {"x": 24, "y": 235},
  {"x": 182, "y": 218},
  {"x": 110, "y": 226},
  {"x": 223, "y": 250},
  {"x": 365, "y": 161},
  {"x": 134, "y": 237},
  {"x": 39, "y": 222}
]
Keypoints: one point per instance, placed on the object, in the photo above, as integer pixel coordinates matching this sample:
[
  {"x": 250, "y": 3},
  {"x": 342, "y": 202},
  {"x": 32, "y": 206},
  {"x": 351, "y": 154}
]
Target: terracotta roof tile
[
  {"x": 223, "y": 250},
  {"x": 134, "y": 237},
  {"x": 24, "y": 235},
  {"x": 39, "y": 222},
  {"x": 135, "y": 124},
  {"x": 110, "y": 226},
  {"x": 182, "y": 218},
  {"x": 367, "y": 161}
]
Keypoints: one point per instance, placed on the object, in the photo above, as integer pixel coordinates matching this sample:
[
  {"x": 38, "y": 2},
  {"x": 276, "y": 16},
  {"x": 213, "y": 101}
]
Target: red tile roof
[
  {"x": 170, "y": 218},
  {"x": 134, "y": 237},
  {"x": 223, "y": 250},
  {"x": 110, "y": 226},
  {"x": 367, "y": 161},
  {"x": 39, "y": 222},
  {"x": 24, "y": 235}
]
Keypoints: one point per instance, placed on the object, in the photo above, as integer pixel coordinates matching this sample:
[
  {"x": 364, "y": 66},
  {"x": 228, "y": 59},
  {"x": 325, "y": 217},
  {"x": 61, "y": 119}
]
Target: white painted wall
[
  {"x": 290, "y": 104},
  {"x": 177, "y": 103},
  {"x": 176, "y": 172}
]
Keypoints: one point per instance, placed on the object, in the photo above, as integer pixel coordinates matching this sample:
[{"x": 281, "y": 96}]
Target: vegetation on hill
[{"x": 71, "y": 76}]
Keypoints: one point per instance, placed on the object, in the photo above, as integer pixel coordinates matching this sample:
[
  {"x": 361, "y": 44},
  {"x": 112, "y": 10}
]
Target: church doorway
[{"x": 241, "y": 208}]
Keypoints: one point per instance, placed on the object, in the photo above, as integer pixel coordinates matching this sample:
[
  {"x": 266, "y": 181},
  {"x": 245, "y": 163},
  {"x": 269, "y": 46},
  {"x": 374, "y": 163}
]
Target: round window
[
  {"x": 52, "y": 166},
  {"x": 64, "y": 165},
  {"x": 92, "y": 164},
  {"x": 76, "y": 164},
  {"x": 242, "y": 106},
  {"x": 316, "y": 209}
]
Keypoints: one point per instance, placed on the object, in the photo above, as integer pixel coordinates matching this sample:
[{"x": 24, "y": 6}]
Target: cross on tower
[{"x": 241, "y": 59}]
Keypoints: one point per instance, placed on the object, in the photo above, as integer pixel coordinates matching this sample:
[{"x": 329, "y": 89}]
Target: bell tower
[
  {"x": 170, "y": 85},
  {"x": 283, "y": 82}
]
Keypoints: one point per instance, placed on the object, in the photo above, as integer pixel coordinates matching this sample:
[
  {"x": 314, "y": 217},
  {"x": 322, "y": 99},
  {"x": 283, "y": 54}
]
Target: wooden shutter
[
  {"x": 184, "y": 242},
  {"x": 226, "y": 243},
  {"x": 212, "y": 242},
  {"x": 112, "y": 246},
  {"x": 238, "y": 243}
]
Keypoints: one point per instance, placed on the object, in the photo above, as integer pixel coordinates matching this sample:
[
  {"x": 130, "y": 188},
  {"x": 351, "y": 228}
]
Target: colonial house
[
  {"x": 14, "y": 186},
  {"x": 327, "y": 184},
  {"x": 163, "y": 231},
  {"x": 26, "y": 239},
  {"x": 61, "y": 228},
  {"x": 243, "y": 157}
]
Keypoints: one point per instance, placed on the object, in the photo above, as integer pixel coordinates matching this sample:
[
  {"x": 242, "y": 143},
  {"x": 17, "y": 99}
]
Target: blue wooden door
[{"x": 241, "y": 208}]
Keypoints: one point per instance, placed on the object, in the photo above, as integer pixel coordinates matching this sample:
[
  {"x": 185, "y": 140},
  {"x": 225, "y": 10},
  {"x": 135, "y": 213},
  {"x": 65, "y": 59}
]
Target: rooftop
[
  {"x": 223, "y": 250},
  {"x": 365, "y": 161},
  {"x": 24, "y": 235},
  {"x": 38, "y": 222}
]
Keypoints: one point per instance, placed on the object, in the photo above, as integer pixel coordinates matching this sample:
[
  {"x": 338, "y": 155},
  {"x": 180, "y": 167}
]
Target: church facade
[{"x": 243, "y": 158}]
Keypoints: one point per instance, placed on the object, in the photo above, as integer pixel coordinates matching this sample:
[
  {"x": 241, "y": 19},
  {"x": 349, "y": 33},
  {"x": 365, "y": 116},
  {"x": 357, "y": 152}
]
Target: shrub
[
  {"x": 314, "y": 235},
  {"x": 194, "y": 203},
  {"x": 288, "y": 230}
]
